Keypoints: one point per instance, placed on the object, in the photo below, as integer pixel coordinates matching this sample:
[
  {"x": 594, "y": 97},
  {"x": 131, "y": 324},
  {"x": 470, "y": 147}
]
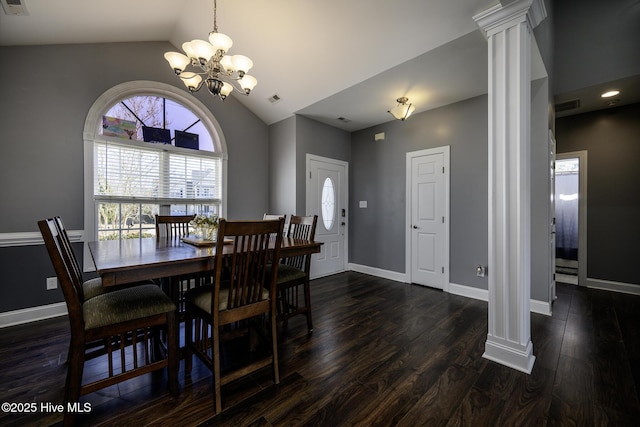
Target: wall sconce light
[{"x": 402, "y": 111}]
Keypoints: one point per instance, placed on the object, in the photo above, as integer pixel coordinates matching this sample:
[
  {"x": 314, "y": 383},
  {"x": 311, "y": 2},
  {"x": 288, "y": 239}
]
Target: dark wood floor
[{"x": 382, "y": 353}]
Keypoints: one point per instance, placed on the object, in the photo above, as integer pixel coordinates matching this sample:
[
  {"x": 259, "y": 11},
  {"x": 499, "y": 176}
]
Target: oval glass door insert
[{"x": 328, "y": 203}]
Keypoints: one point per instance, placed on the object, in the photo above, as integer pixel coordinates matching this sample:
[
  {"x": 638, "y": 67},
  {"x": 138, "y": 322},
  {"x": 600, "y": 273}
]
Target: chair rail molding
[{"x": 32, "y": 238}]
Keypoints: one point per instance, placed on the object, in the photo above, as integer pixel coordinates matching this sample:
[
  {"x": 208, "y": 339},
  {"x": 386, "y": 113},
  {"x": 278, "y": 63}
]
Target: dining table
[{"x": 125, "y": 261}]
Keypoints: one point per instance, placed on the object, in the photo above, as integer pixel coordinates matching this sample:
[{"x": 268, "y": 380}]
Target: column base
[{"x": 520, "y": 359}]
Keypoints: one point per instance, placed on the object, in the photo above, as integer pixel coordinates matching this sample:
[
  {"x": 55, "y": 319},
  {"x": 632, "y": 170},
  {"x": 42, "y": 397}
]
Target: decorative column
[{"x": 508, "y": 30}]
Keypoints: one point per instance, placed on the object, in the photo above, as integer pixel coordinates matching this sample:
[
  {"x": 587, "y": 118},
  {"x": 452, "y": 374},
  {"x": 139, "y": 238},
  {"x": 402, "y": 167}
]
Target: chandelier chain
[{"x": 215, "y": 16}]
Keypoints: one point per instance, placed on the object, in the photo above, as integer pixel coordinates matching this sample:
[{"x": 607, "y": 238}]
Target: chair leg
[
  {"x": 274, "y": 346},
  {"x": 215, "y": 345},
  {"x": 188, "y": 342},
  {"x": 285, "y": 306},
  {"x": 74, "y": 379},
  {"x": 172, "y": 344},
  {"x": 307, "y": 304}
]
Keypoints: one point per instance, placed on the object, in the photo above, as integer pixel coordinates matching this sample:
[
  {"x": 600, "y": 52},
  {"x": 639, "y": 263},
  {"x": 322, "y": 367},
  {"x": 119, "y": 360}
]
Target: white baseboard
[
  {"x": 32, "y": 314},
  {"x": 535, "y": 306},
  {"x": 539, "y": 307},
  {"x": 378, "y": 272},
  {"x": 469, "y": 292},
  {"x": 609, "y": 285}
]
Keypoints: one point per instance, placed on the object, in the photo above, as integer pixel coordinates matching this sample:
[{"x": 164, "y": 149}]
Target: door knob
[{"x": 416, "y": 227}]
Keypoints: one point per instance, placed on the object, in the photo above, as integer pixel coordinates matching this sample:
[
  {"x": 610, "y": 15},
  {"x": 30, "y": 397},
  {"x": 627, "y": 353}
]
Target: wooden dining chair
[
  {"x": 123, "y": 321},
  {"x": 172, "y": 226},
  {"x": 238, "y": 299},
  {"x": 293, "y": 274},
  {"x": 277, "y": 216}
]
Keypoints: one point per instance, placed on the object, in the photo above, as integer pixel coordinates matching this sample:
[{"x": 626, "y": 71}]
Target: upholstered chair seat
[{"x": 124, "y": 305}]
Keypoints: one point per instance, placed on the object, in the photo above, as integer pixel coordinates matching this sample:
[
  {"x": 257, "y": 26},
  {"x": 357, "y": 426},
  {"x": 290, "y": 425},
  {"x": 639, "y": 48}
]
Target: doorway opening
[
  {"x": 570, "y": 217},
  {"x": 567, "y": 187}
]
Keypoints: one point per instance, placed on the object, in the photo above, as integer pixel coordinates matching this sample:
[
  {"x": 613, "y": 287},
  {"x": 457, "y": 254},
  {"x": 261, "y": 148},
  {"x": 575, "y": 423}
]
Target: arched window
[{"x": 149, "y": 149}]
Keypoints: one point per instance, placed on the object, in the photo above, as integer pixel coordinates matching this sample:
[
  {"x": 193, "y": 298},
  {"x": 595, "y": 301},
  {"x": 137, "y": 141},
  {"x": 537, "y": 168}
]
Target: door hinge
[
  {"x": 443, "y": 169},
  {"x": 442, "y": 270},
  {"x": 309, "y": 174},
  {"x": 443, "y": 220}
]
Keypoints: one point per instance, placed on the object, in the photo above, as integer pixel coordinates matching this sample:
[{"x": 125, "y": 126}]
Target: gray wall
[
  {"x": 316, "y": 138},
  {"x": 290, "y": 142},
  {"x": 41, "y": 146},
  {"x": 282, "y": 173},
  {"x": 611, "y": 139},
  {"x": 540, "y": 188},
  {"x": 378, "y": 175}
]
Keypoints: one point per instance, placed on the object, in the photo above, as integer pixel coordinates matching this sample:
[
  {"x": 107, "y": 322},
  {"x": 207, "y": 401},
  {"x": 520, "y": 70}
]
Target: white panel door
[
  {"x": 429, "y": 237},
  {"x": 327, "y": 198}
]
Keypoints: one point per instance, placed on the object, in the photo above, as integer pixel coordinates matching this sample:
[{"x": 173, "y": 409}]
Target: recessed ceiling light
[{"x": 610, "y": 93}]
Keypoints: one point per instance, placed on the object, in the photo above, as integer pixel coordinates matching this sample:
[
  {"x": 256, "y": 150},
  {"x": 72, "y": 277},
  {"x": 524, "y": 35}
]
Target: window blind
[{"x": 158, "y": 174}]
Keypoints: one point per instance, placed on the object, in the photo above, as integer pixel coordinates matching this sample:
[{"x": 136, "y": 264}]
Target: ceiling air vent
[
  {"x": 274, "y": 98},
  {"x": 569, "y": 105},
  {"x": 14, "y": 7}
]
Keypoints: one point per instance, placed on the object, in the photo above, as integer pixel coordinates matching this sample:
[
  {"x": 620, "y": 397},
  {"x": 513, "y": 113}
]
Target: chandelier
[
  {"x": 222, "y": 73},
  {"x": 402, "y": 111}
]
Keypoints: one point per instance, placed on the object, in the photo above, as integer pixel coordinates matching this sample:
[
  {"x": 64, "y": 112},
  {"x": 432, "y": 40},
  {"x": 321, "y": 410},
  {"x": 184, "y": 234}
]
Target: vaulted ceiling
[
  {"x": 341, "y": 62},
  {"x": 324, "y": 59}
]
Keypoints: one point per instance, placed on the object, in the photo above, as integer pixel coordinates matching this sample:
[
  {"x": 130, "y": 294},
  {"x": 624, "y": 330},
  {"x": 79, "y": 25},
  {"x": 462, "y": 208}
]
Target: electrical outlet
[
  {"x": 480, "y": 270},
  {"x": 52, "y": 283}
]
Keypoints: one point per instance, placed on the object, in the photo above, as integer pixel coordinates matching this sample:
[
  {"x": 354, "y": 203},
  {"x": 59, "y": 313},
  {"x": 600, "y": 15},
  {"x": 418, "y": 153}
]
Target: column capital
[{"x": 500, "y": 17}]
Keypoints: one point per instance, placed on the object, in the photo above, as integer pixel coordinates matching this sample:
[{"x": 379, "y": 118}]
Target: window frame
[{"x": 91, "y": 135}]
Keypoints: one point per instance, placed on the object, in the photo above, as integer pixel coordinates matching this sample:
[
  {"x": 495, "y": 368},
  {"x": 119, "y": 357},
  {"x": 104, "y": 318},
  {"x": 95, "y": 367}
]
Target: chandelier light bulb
[
  {"x": 188, "y": 49},
  {"x": 191, "y": 80},
  {"x": 202, "y": 50},
  {"x": 226, "y": 89},
  {"x": 220, "y": 41},
  {"x": 242, "y": 64},
  {"x": 248, "y": 83},
  {"x": 177, "y": 61},
  {"x": 227, "y": 63}
]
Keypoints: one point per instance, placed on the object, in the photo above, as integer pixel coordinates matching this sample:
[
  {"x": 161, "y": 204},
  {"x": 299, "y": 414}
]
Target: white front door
[
  {"x": 428, "y": 249},
  {"x": 327, "y": 197}
]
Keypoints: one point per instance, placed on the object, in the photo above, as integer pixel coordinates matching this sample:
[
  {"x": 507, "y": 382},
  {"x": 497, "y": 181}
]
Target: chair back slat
[
  {"x": 63, "y": 259},
  {"x": 247, "y": 260},
  {"x": 170, "y": 227},
  {"x": 69, "y": 256}
]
